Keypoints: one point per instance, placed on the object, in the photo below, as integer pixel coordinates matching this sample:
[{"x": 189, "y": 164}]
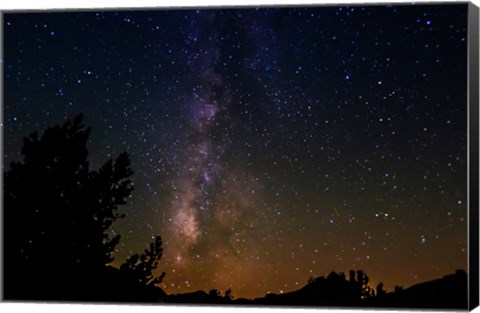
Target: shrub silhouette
[
  {"x": 380, "y": 292},
  {"x": 228, "y": 294},
  {"x": 56, "y": 216},
  {"x": 362, "y": 286},
  {"x": 140, "y": 267}
]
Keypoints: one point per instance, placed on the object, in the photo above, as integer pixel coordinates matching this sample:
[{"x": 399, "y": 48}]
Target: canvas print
[{"x": 280, "y": 156}]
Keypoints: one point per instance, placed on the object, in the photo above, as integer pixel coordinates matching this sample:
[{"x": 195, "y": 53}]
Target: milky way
[
  {"x": 269, "y": 145},
  {"x": 212, "y": 201}
]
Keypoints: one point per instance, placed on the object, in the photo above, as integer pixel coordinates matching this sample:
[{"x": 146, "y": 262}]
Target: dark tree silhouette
[
  {"x": 229, "y": 294},
  {"x": 352, "y": 276},
  {"x": 140, "y": 267},
  {"x": 56, "y": 216},
  {"x": 380, "y": 291},
  {"x": 361, "y": 284}
]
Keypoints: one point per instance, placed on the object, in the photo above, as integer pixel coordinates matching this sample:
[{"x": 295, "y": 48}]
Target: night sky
[{"x": 269, "y": 145}]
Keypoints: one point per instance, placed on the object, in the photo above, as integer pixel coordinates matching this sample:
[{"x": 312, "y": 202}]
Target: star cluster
[{"x": 269, "y": 144}]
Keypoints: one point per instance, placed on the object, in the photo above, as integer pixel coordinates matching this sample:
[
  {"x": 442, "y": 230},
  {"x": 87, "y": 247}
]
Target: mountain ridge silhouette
[{"x": 449, "y": 292}]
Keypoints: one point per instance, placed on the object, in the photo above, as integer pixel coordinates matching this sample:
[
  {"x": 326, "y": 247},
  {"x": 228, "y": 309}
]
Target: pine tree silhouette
[{"x": 56, "y": 216}]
